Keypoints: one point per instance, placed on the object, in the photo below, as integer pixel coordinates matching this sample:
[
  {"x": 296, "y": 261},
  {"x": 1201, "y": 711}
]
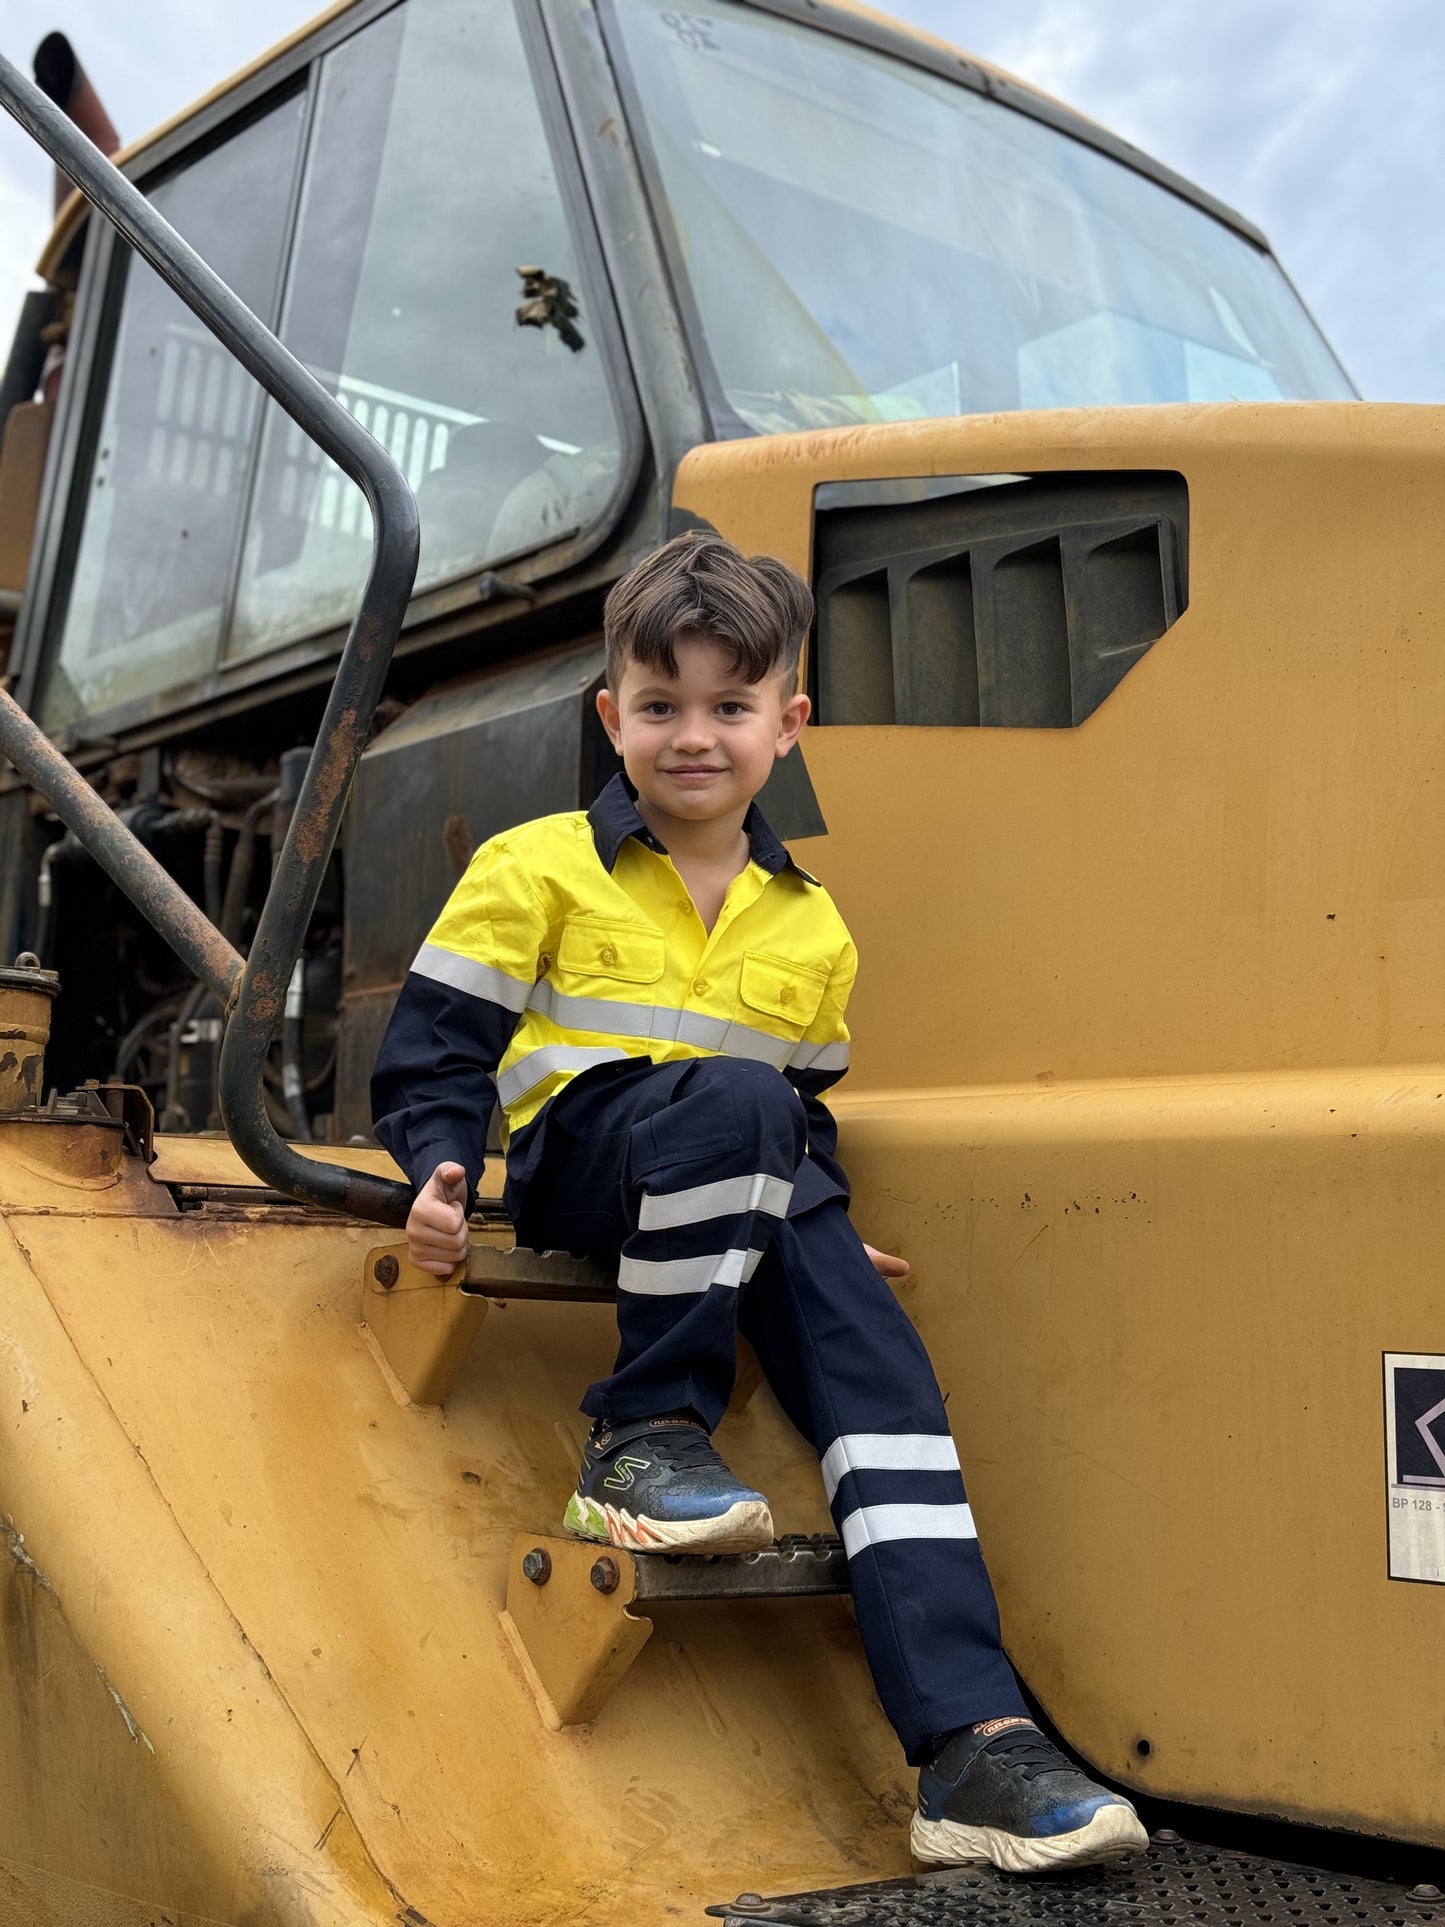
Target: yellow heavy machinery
[{"x": 1126, "y": 770}]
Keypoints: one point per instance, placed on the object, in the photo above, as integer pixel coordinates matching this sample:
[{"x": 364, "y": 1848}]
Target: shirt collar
[{"x": 614, "y": 817}]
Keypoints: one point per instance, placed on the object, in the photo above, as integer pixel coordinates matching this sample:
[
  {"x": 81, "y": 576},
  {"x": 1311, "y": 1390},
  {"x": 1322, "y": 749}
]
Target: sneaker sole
[
  {"x": 1114, "y": 1832},
  {"x": 744, "y": 1527}
]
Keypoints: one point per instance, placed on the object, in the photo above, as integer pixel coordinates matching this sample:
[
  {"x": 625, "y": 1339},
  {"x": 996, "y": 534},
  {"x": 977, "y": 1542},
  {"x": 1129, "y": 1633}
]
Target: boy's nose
[{"x": 694, "y": 732}]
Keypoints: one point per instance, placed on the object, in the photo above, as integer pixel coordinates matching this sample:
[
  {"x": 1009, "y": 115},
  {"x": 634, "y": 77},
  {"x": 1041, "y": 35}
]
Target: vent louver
[{"x": 1017, "y": 606}]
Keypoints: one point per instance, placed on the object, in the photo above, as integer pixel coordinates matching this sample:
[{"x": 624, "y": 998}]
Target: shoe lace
[
  {"x": 1025, "y": 1751},
  {"x": 687, "y": 1445}
]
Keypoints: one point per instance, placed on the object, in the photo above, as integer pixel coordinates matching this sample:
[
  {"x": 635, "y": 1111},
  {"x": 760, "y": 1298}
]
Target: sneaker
[
  {"x": 657, "y": 1485},
  {"x": 1006, "y": 1794}
]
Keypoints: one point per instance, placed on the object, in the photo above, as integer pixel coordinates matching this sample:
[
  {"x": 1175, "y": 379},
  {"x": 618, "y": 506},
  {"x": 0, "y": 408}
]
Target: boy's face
[{"x": 700, "y": 746}]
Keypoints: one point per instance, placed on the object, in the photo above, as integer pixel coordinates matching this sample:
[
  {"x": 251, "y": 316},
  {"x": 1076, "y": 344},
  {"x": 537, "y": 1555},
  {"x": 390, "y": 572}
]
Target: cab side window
[{"x": 379, "y": 218}]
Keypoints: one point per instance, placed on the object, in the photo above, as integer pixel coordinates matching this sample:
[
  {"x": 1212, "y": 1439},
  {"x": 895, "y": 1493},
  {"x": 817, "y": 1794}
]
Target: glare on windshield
[{"x": 860, "y": 240}]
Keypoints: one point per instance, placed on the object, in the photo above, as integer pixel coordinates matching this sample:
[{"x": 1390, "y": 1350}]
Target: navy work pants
[{"x": 685, "y": 1173}]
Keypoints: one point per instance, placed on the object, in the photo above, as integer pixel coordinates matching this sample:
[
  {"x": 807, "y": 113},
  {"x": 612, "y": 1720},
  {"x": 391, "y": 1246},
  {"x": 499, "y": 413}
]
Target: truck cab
[{"x": 1123, "y": 769}]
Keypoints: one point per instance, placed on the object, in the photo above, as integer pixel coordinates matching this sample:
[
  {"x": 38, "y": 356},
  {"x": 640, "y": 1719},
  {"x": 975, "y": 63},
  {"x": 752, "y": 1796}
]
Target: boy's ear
[
  {"x": 611, "y": 718},
  {"x": 795, "y": 713}
]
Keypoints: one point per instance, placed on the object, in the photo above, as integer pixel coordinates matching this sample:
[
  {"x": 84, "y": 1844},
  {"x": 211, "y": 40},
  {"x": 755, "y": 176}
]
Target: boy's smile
[{"x": 698, "y": 747}]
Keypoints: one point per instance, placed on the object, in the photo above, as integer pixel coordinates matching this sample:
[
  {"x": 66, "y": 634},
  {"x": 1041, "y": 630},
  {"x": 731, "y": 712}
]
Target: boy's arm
[
  {"x": 432, "y": 1091},
  {"x": 820, "y": 1059}
]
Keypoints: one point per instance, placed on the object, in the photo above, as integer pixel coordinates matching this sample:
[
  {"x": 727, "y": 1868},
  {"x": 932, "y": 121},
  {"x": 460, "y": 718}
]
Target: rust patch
[
  {"x": 331, "y": 774},
  {"x": 458, "y": 842}
]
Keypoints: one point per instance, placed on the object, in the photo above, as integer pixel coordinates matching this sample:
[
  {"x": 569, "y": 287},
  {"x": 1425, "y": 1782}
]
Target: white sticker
[{"x": 1415, "y": 1464}]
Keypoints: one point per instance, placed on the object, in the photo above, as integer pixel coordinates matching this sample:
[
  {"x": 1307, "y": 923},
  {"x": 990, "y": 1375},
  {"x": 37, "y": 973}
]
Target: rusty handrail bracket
[{"x": 360, "y": 676}]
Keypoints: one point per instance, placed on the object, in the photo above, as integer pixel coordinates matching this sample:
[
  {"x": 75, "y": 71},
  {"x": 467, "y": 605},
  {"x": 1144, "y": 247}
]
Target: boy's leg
[
  {"x": 853, "y": 1375},
  {"x": 687, "y": 1171}
]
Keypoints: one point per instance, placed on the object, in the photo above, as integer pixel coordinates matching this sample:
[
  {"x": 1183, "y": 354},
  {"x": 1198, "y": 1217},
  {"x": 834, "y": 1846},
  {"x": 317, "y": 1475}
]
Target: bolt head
[
  {"x": 386, "y": 1271},
  {"x": 537, "y": 1565},
  {"x": 605, "y": 1574},
  {"x": 1166, "y": 1837},
  {"x": 1424, "y": 1892},
  {"x": 750, "y": 1902}
]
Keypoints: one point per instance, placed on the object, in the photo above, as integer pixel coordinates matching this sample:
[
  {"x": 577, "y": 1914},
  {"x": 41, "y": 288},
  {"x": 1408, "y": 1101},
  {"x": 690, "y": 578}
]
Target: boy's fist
[{"x": 436, "y": 1225}]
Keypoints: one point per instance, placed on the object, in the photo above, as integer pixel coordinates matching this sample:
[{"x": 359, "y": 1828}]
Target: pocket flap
[
  {"x": 598, "y": 947},
  {"x": 781, "y": 988}
]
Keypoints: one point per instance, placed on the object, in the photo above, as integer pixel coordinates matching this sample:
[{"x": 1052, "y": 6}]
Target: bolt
[
  {"x": 1166, "y": 1837},
  {"x": 537, "y": 1566},
  {"x": 1424, "y": 1892},
  {"x": 605, "y": 1574},
  {"x": 749, "y": 1903},
  {"x": 386, "y": 1271}
]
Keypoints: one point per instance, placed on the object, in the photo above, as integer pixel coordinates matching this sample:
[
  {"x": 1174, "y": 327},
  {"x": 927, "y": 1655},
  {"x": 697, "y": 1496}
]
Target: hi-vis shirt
[{"x": 572, "y": 943}]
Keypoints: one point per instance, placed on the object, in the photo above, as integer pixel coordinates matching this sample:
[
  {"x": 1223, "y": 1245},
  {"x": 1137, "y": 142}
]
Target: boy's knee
[{"x": 760, "y": 1095}]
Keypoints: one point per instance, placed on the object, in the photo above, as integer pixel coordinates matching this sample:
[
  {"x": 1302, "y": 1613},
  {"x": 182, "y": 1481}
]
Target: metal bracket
[
  {"x": 569, "y": 1606},
  {"x": 423, "y": 1327},
  {"x": 568, "y": 1620}
]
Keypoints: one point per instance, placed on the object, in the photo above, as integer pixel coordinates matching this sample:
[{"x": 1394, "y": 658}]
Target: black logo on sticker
[{"x": 1419, "y": 1425}]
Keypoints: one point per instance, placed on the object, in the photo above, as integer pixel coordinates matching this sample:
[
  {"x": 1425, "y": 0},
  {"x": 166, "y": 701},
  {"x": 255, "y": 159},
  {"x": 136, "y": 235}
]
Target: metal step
[
  {"x": 1177, "y": 1883},
  {"x": 797, "y": 1566}
]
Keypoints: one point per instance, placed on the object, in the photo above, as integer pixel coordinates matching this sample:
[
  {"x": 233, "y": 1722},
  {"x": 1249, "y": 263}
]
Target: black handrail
[{"x": 260, "y": 992}]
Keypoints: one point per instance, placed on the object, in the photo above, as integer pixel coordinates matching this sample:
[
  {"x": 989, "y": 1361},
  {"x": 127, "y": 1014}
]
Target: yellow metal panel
[
  {"x": 145, "y": 1748},
  {"x": 1148, "y": 1070},
  {"x": 362, "y": 1549},
  {"x": 1161, "y": 1311},
  {"x": 212, "y": 1160}
]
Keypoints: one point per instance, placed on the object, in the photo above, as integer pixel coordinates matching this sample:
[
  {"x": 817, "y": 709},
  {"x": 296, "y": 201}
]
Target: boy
[{"x": 657, "y": 992}]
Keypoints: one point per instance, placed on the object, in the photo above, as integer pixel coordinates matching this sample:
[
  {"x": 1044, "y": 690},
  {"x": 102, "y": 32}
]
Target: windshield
[{"x": 859, "y": 240}]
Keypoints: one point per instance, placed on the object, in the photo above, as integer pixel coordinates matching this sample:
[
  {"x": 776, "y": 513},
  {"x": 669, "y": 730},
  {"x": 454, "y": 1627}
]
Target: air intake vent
[{"x": 1015, "y": 606}]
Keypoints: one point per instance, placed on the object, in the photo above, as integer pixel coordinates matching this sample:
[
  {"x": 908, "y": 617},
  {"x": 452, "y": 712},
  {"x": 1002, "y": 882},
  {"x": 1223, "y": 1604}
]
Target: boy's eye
[
  {"x": 732, "y": 709},
  {"x": 658, "y": 708}
]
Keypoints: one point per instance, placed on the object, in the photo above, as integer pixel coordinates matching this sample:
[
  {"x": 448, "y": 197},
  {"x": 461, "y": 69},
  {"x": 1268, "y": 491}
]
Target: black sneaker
[
  {"x": 657, "y": 1485},
  {"x": 1006, "y": 1794}
]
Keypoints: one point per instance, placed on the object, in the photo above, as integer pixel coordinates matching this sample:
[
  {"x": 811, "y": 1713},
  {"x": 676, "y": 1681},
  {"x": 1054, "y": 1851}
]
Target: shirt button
[
  {"x": 608, "y": 954},
  {"x": 785, "y": 995},
  {"x": 700, "y": 987}
]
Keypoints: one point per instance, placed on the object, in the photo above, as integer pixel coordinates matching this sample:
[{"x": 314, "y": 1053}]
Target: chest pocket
[
  {"x": 786, "y": 991},
  {"x": 627, "y": 953}
]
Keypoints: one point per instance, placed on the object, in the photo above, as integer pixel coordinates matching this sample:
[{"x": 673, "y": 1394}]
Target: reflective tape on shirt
[
  {"x": 887, "y": 1452},
  {"x": 665, "y": 1024},
  {"x": 729, "y": 1197},
  {"x": 875, "y": 1525},
  {"x": 476, "y": 979},
  {"x": 662, "y": 1023},
  {"x": 671, "y": 1277},
  {"x": 819, "y": 1057},
  {"x": 538, "y": 1065}
]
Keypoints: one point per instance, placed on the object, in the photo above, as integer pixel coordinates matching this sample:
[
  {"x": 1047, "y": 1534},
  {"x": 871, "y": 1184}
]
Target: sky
[{"x": 1319, "y": 119}]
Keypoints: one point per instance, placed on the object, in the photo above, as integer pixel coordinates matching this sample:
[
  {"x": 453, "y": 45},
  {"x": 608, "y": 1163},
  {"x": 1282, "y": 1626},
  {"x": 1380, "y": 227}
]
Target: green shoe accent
[{"x": 587, "y": 1519}]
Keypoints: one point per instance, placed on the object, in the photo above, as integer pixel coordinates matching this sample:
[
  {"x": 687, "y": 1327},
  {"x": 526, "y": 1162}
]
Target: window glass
[
  {"x": 865, "y": 241},
  {"x": 164, "y": 498},
  {"x": 428, "y": 187}
]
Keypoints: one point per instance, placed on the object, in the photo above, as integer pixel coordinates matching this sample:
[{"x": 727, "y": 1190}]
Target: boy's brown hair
[{"x": 700, "y": 585}]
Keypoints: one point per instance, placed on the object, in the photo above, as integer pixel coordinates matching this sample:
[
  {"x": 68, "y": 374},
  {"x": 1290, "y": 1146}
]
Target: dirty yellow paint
[
  {"x": 1149, "y": 1083},
  {"x": 296, "y": 1582}
]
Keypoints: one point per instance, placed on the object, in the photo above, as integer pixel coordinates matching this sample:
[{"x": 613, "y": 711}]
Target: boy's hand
[
  {"x": 885, "y": 1264},
  {"x": 436, "y": 1225}
]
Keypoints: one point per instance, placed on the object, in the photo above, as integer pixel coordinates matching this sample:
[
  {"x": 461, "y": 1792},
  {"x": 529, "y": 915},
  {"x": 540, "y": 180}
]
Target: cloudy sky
[{"x": 1320, "y": 119}]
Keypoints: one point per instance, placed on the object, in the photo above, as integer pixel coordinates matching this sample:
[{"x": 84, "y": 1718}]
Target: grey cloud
[{"x": 1319, "y": 119}]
